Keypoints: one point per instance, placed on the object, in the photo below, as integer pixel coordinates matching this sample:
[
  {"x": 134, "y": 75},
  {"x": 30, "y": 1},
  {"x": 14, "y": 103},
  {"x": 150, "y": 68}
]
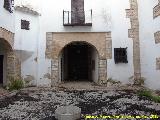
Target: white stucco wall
[
  {"x": 26, "y": 44},
  {"x": 149, "y": 50},
  {"x": 120, "y": 26},
  {"x": 54, "y": 15},
  {"x": 6, "y": 18},
  {"x": 108, "y": 15}
]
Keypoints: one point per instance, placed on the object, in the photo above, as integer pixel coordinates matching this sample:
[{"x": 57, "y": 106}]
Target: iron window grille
[
  {"x": 120, "y": 55},
  {"x": 9, "y": 5},
  {"x": 25, "y": 24}
]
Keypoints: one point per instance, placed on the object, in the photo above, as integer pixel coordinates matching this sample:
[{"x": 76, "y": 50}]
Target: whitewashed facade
[{"x": 108, "y": 16}]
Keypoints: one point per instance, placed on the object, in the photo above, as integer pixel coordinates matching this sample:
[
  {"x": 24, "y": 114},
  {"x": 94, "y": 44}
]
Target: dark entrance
[
  {"x": 1, "y": 69},
  {"x": 76, "y": 62},
  {"x": 79, "y": 61}
]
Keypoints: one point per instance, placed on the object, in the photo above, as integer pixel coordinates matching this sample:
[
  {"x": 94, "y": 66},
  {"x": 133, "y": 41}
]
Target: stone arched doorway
[
  {"x": 5, "y": 48},
  {"x": 79, "y": 61},
  {"x": 5, "y": 51},
  {"x": 10, "y": 66},
  {"x": 56, "y": 42}
]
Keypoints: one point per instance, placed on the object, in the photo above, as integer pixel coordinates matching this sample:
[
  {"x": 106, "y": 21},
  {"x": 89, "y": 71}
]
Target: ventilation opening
[{"x": 79, "y": 62}]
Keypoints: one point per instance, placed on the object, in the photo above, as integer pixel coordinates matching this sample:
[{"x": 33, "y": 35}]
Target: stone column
[
  {"x": 133, "y": 33},
  {"x": 102, "y": 71},
  {"x": 108, "y": 45},
  {"x": 49, "y": 45},
  {"x": 54, "y": 72},
  {"x": 13, "y": 69}
]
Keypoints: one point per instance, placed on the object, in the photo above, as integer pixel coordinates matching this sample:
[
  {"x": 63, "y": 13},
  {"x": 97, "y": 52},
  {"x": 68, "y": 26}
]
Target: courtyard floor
[{"x": 41, "y": 103}]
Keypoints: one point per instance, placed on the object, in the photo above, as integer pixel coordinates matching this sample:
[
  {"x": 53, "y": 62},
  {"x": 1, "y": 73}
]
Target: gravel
[{"x": 41, "y": 105}]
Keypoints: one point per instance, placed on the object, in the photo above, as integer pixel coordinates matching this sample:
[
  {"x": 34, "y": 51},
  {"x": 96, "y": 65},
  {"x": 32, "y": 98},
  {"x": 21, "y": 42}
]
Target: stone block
[
  {"x": 131, "y": 13},
  {"x": 132, "y": 33},
  {"x": 157, "y": 37},
  {"x": 156, "y": 11},
  {"x": 108, "y": 35},
  {"x": 157, "y": 63},
  {"x": 7, "y": 35}
]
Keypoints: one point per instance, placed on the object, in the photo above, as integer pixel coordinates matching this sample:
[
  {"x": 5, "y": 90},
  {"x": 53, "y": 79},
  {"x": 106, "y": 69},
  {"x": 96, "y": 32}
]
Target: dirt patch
[{"x": 18, "y": 97}]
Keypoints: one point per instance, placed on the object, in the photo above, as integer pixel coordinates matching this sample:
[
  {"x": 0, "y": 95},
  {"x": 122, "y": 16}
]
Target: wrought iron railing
[{"x": 83, "y": 18}]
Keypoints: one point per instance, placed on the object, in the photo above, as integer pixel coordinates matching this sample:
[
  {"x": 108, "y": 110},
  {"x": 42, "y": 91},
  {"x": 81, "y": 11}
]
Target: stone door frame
[
  {"x": 60, "y": 56},
  {"x": 12, "y": 65},
  {"x": 55, "y": 42}
]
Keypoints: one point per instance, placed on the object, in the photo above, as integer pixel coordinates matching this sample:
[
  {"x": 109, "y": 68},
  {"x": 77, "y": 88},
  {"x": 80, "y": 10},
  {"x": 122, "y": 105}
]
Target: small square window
[
  {"x": 25, "y": 24},
  {"x": 120, "y": 55}
]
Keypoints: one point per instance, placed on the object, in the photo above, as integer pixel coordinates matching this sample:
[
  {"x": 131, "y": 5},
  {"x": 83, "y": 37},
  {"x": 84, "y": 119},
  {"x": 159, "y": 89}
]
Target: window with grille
[
  {"x": 9, "y": 5},
  {"x": 120, "y": 55},
  {"x": 25, "y": 24}
]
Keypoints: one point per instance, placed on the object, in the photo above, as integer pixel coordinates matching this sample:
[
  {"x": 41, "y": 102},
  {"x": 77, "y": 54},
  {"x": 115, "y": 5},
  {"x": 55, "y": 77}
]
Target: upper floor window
[
  {"x": 9, "y": 5},
  {"x": 25, "y": 24},
  {"x": 120, "y": 55}
]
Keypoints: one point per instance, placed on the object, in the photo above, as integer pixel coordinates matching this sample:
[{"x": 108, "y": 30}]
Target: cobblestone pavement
[{"x": 41, "y": 104}]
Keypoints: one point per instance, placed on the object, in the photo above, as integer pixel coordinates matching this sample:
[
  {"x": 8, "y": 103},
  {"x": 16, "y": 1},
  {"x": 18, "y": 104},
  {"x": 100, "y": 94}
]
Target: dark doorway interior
[
  {"x": 78, "y": 62},
  {"x": 76, "y": 58},
  {"x": 1, "y": 69}
]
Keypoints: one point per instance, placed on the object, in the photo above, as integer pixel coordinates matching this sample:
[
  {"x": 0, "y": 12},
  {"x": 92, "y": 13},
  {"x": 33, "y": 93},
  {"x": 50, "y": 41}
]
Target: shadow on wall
[
  {"x": 23, "y": 55},
  {"x": 78, "y": 28}
]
